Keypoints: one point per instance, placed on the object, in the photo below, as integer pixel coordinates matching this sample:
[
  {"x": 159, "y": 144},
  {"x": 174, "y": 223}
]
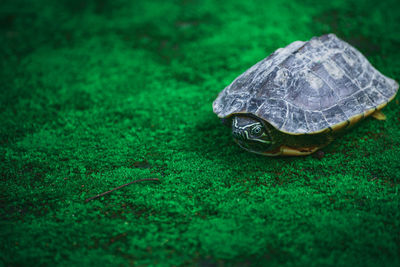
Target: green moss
[{"x": 95, "y": 94}]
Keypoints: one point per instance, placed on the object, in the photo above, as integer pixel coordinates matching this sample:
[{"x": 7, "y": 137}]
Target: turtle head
[{"x": 251, "y": 134}]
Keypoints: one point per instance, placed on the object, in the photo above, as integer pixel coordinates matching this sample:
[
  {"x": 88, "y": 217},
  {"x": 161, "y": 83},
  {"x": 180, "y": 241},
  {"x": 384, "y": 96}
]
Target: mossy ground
[{"x": 95, "y": 94}]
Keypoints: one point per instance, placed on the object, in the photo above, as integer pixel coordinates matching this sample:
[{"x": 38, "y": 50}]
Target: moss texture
[{"x": 95, "y": 94}]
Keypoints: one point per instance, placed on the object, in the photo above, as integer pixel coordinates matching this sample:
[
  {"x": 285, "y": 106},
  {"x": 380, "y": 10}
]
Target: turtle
[{"x": 303, "y": 96}]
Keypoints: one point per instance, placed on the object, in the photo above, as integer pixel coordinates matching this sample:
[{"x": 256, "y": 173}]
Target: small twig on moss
[{"x": 119, "y": 187}]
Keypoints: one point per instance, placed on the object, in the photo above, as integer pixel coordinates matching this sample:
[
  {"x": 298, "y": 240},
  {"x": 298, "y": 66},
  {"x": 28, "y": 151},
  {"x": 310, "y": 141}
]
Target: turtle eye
[{"x": 256, "y": 130}]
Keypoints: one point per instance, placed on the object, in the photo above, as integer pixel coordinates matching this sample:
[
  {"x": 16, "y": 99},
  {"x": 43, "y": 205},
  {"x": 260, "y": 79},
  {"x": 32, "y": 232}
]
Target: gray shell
[{"x": 307, "y": 87}]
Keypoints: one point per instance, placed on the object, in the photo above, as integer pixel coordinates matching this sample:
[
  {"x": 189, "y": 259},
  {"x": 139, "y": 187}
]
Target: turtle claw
[{"x": 379, "y": 115}]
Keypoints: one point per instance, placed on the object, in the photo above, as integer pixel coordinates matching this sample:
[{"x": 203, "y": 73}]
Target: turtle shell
[{"x": 308, "y": 87}]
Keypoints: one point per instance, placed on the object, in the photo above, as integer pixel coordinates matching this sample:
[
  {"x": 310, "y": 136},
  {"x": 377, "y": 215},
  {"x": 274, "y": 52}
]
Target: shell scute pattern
[
  {"x": 334, "y": 115},
  {"x": 315, "y": 120},
  {"x": 363, "y": 100},
  {"x": 276, "y": 84},
  {"x": 381, "y": 86},
  {"x": 255, "y": 103},
  {"x": 366, "y": 77},
  {"x": 238, "y": 104},
  {"x": 375, "y": 97},
  {"x": 307, "y": 87},
  {"x": 345, "y": 64},
  {"x": 296, "y": 120},
  {"x": 304, "y": 93},
  {"x": 274, "y": 110},
  {"x": 350, "y": 106}
]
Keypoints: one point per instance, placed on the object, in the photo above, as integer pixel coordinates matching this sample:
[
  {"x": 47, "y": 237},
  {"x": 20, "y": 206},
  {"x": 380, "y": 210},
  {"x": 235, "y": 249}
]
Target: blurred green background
[{"x": 95, "y": 94}]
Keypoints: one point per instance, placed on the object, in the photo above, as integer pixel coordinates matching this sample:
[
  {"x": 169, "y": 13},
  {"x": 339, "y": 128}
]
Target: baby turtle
[{"x": 298, "y": 99}]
